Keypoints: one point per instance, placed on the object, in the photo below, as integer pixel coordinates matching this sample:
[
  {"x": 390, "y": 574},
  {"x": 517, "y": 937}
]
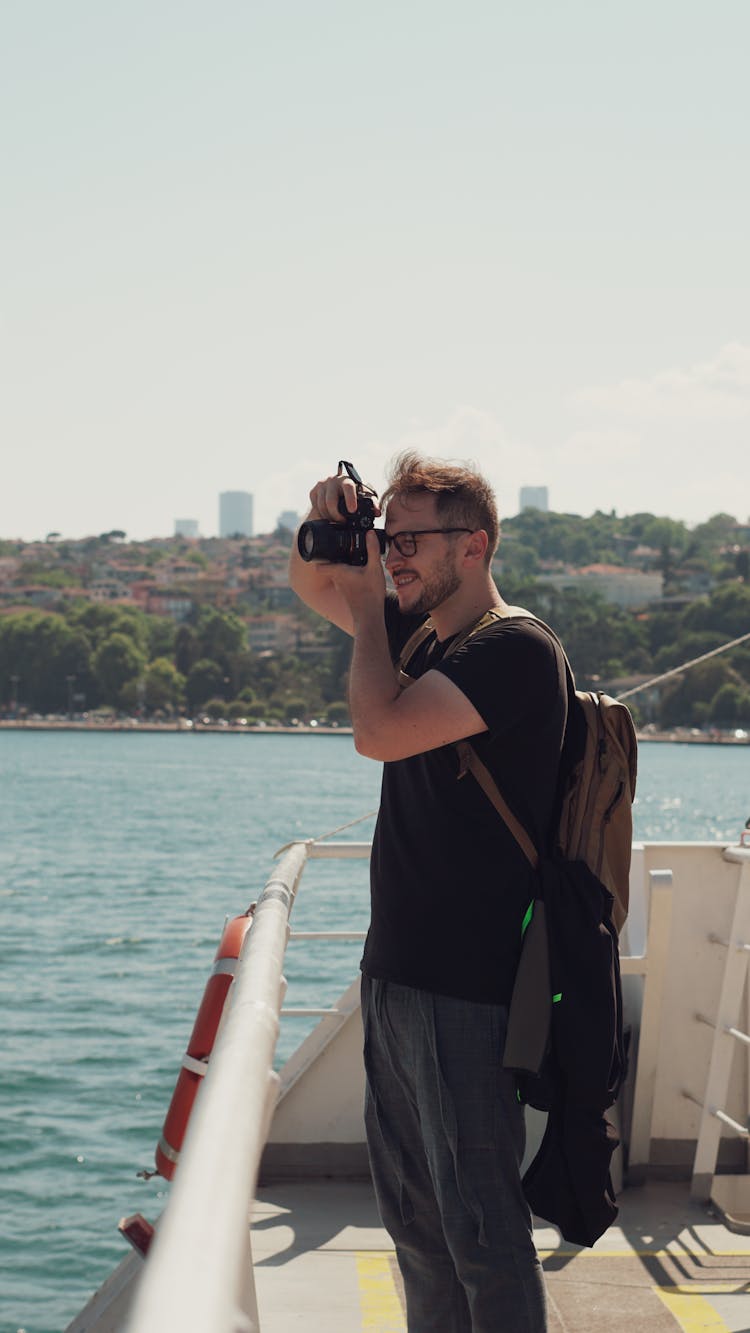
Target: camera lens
[
  {"x": 319, "y": 540},
  {"x": 337, "y": 543}
]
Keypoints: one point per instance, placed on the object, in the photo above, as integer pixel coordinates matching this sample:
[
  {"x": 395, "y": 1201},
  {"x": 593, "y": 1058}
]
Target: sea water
[{"x": 120, "y": 857}]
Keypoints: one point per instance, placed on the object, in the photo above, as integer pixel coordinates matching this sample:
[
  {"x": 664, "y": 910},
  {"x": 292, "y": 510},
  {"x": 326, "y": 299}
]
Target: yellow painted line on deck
[
  {"x": 693, "y": 1313},
  {"x": 680, "y": 1251},
  {"x": 381, "y": 1307},
  {"x": 727, "y": 1288},
  {"x": 382, "y": 1313}
]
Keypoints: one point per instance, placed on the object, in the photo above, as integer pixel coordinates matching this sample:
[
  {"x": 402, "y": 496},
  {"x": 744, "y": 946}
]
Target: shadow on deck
[{"x": 322, "y": 1262}]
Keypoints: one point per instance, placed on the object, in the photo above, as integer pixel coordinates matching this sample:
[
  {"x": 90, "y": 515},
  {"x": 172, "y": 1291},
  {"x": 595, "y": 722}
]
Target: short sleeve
[{"x": 508, "y": 671}]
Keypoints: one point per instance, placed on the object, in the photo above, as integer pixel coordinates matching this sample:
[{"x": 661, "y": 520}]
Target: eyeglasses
[{"x": 406, "y": 542}]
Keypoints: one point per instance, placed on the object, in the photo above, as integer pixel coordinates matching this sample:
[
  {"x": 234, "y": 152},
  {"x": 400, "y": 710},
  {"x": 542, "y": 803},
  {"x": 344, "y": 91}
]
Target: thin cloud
[
  {"x": 469, "y": 432},
  {"x": 718, "y": 390},
  {"x": 675, "y": 442}
]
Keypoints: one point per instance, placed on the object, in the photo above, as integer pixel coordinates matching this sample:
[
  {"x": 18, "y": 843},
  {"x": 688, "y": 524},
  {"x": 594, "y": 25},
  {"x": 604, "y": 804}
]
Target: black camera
[{"x": 343, "y": 543}]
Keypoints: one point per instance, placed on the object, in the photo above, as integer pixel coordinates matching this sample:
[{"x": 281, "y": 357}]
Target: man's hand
[
  {"x": 362, "y": 587},
  {"x": 312, "y": 580},
  {"x": 325, "y": 496},
  {"x": 389, "y": 723}
]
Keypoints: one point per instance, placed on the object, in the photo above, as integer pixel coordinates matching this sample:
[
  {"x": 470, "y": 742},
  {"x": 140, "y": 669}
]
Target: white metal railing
[
  {"x": 652, "y": 966},
  {"x": 726, "y": 1033},
  {"x": 199, "y": 1272},
  {"x": 331, "y": 851}
]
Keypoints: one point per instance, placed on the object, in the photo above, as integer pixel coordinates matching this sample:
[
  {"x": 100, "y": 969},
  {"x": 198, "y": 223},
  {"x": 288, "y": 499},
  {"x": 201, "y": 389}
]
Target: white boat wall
[
  {"x": 682, "y": 1116},
  {"x": 313, "y": 1131}
]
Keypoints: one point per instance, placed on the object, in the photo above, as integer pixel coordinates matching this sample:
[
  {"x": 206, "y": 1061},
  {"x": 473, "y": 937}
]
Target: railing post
[
  {"x": 717, "y": 1084},
  {"x": 655, "y": 966}
]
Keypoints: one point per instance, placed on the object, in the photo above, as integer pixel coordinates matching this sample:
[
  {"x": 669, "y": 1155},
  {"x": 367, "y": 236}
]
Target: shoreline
[{"x": 134, "y": 727}]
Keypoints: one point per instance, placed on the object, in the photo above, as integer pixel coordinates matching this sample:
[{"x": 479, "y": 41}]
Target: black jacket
[{"x": 565, "y": 1042}]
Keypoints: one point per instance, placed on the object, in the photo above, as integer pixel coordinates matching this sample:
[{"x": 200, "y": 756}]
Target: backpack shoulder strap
[
  {"x": 414, "y": 642},
  {"x": 470, "y": 761},
  {"x": 423, "y": 632}
]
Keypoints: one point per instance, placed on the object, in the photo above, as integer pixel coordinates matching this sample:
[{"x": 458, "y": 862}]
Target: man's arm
[
  {"x": 389, "y": 723},
  {"x": 311, "y": 580},
  {"x": 392, "y": 724}
]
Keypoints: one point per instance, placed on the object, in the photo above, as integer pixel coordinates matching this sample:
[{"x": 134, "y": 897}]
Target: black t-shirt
[{"x": 449, "y": 883}]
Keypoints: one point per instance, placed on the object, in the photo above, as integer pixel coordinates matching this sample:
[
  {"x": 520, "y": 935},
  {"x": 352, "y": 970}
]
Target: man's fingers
[
  {"x": 325, "y": 496},
  {"x": 373, "y": 546}
]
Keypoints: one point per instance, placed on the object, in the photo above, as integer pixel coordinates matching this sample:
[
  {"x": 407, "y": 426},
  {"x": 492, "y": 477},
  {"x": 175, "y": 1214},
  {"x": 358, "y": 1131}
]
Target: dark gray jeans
[{"x": 446, "y": 1137}]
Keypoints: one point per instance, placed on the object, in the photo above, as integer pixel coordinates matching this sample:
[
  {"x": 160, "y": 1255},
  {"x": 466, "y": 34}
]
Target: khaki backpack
[{"x": 597, "y": 780}]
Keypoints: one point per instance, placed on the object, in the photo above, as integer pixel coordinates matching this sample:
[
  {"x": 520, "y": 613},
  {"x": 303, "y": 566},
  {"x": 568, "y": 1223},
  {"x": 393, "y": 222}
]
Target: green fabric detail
[
  {"x": 557, "y": 998},
  {"x": 527, "y": 918}
]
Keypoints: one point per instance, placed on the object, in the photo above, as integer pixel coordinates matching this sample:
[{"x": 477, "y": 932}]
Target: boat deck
[{"x": 323, "y": 1263}]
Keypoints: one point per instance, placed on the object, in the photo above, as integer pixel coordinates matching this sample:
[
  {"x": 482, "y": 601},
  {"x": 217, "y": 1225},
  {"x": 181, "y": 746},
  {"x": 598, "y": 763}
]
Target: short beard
[{"x": 437, "y": 587}]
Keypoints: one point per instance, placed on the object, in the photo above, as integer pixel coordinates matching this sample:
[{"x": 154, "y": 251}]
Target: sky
[{"x": 241, "y": 241}]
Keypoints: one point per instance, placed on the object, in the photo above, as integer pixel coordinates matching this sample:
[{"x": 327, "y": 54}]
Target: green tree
[
  {"x": 518, "y": 560},
  {"x": 161, "y": 633},
  {"x": 696, "y": 686},
  {"x": 43, "y": 660},
  {"x": 99, "y": 621},
  {"x": 205, "y": 679},
  {"x": 727, "y": 610},
  {"x": 689, "y": 645},
  {"x": 665, "y": 534},
  {"x": 185, "y": 649},
  {"x": 116, "y": 661},
  {"x": 293, "y": 706},
  {"x": 215, "y": 708},
  {"x": 164, "y": 686},
  {"x": 716, "y": 531},
  {"x": 730, "y": 706},
  {"x": 219, "y": 634},
  {"x": 338, "y": 712}
]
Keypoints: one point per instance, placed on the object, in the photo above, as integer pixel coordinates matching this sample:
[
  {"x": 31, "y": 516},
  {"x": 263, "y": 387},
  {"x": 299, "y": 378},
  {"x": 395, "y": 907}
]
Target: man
[{"x": 449, "y": 885}]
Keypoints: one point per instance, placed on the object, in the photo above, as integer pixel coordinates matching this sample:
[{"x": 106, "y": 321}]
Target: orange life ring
[{"x": 201, "y": 1044}]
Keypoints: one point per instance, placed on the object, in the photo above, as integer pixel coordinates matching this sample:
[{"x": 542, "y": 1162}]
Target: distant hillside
[
  {"x": 534, "y": 542},
  {"x": 190, "y": 625}
]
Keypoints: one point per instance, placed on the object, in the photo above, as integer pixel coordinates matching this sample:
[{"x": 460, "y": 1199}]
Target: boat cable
[
  {"x": 360, "y": 818},
  {"x": 321, "y": 837},
  {"x": 627, "y": 694},
  {"x": 677, "y": 671}
]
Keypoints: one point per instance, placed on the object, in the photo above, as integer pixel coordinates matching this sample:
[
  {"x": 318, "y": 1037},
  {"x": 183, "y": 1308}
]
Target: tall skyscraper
[
  {"x": 235, "y": 514},
  {"x": 186, "y": 527},
  {"x": 533, "y": 497}
]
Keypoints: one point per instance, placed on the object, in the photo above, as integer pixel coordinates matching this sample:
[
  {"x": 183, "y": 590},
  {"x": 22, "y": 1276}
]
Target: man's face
[{"x": 425, "y": 580}]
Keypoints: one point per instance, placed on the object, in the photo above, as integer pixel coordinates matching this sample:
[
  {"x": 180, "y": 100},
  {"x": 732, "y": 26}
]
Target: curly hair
[{"x": 462, "y": 495}]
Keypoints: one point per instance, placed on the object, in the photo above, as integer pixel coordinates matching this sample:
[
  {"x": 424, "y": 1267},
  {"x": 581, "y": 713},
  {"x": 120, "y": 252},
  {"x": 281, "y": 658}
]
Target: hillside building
[
  {"x": 235, "y": 514},
  {"x": 619, "y": 584},
  {"x": 533, "y": 497},
  {"x": 289, "y": 519}
]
